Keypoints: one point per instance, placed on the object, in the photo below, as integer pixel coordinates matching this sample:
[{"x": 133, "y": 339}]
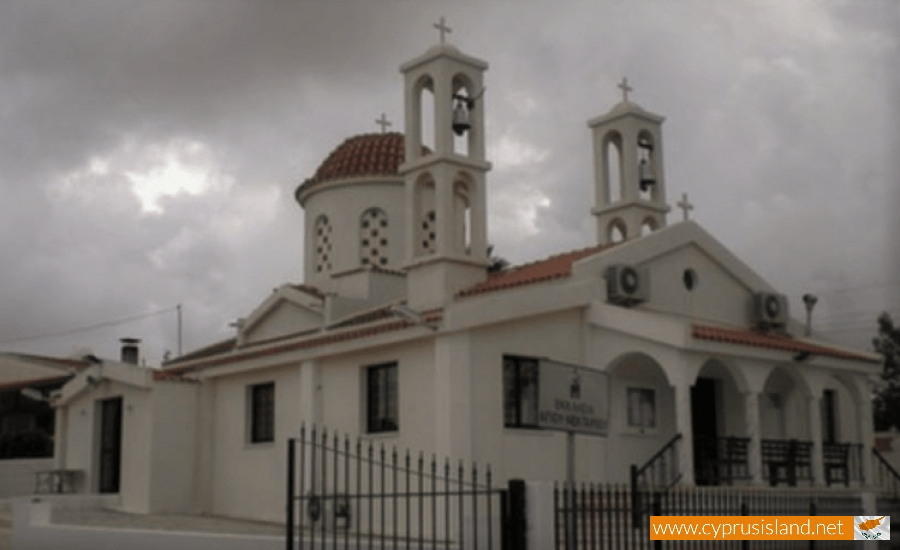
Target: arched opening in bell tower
[
  {"x": 612, "y": 166},
  {"x": 617, "y": 232},
  {"x": 462, "y": 213},
  {"x": 463, "y": 119},
  {"x": 647, "y": 179},
  {"x": 424, "y": 109}
]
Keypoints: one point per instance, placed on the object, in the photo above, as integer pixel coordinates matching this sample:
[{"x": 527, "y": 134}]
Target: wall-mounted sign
[{"x": 572, "y": 398}]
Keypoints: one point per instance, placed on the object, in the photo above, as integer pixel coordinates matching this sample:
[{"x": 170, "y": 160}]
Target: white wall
[
  {"x": 174, "y": 447},
  {"x": 17, "y": 476},
  {"x": 83, "y": 441},
  {"x": 716, "y": 296},
  {"x": 248, "y": 478}
]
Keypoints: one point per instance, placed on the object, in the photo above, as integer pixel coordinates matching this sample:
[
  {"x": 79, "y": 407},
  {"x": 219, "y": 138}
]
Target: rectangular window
[
  {"x": 381, "y": 398},
  {"x": 262, "y": 413},
  {"x": 641, "y": 408},
  {"x": 520, "y": 392}
]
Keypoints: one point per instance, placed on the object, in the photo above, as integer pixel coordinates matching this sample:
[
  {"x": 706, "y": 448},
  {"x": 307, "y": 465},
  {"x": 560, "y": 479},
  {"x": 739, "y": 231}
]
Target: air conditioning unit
[
  {"x": 626, "y": 285},
  {"x": 770, "y": 310}
]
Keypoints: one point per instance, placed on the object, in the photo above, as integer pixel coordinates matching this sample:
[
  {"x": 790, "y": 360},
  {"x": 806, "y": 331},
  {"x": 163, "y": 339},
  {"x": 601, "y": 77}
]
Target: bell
[
  {"x": 461, "y": 122},
  {"x": 645, "y": 175}
]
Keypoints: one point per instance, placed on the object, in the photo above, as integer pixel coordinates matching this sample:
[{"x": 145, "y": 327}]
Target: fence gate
[{"x": 344, "y": 494}]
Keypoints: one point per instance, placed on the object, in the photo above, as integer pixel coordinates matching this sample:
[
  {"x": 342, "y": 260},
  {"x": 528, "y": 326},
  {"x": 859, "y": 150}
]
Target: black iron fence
[
  {"x": 887, "y": 479},
  {"x": 604, "y": 514},
  {"x": 345, "y": 493}
]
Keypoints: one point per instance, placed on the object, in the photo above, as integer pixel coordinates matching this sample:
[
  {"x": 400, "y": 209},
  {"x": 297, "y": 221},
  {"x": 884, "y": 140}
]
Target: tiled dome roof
[{"x": 362, "y": 155}]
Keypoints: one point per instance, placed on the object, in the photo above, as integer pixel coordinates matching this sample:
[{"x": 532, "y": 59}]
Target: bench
[{"x": 56, "y": 481}]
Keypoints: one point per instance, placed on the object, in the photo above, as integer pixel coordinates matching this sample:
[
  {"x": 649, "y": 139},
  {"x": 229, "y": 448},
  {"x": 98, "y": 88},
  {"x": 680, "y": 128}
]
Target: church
[{"x": 403, "y": 332}]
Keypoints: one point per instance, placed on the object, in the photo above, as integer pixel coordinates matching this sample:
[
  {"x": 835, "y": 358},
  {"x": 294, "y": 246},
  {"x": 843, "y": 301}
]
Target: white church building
[{"x": 400, "y": 333}]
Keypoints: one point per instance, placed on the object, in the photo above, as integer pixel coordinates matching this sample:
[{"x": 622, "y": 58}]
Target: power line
[
  {"x": 852, "y": 288},
  {"x": 89, "y": 327}
]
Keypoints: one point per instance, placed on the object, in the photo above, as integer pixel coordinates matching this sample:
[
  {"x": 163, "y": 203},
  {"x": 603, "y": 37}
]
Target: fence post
[
  {"x": 657, "y": 511},
  {"x": 745, "y": 511},
  {"x": 635, "y": 499},
  {"x": 290, "y": 493},
  {"x": 812, "y": 512},
  {"x": 516, "y": 524}
]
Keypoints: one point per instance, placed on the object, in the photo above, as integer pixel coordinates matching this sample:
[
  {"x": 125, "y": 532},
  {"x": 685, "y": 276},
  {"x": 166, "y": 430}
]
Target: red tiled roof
[
  {"x": 554, "y": 267},
  {"x": 309, "y": 289},
  {"x": 212, "y": 349},
  {"x": 362, "y": 155},
  {"x": 768, "y": 340},
  {"x": 322, "y": 340}
]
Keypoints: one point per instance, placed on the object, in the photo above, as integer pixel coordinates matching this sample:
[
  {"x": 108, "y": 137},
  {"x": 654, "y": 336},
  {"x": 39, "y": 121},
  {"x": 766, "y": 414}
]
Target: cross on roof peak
[
  {"x": 685, "y": 205},
  {"x": 383, "y": 122},
  {"x": 625, "y": 88},
  {"x": 443, "y": 28}
]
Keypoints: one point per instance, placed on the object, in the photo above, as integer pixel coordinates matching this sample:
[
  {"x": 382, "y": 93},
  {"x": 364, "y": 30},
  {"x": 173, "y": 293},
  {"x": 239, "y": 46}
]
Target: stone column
[
  {"x": 310, "y": 394},
  {"x": 752, "y": 430},
  {"x": 864, "y": 416},
  {"x": 814, "y": 416},
  {"x": 683, "y": 424}
]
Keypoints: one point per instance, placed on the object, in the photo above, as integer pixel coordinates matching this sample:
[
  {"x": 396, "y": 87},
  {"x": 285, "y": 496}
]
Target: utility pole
[{"x": 178, "y": 308}]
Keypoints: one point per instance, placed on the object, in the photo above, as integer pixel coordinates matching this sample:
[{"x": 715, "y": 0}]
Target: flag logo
[{"x": 872, "y": 528}]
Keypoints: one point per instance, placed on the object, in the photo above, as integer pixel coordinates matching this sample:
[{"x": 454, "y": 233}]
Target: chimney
[{"x": 130, "y": 350}]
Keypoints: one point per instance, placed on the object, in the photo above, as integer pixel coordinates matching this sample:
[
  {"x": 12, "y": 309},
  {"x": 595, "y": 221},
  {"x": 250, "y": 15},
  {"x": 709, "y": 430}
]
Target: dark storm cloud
[{"x": 771, "y": 112}]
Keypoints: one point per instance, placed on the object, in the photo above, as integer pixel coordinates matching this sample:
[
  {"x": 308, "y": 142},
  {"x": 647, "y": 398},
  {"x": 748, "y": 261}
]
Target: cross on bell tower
[
  {"x": 444, "y": 29},
  {"x": 625, "y": 88}
]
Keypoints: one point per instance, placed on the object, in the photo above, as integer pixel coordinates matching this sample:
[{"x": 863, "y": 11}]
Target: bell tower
[
  {"x": 445, "y": 199},
  {"x": 629, "y": 179}
]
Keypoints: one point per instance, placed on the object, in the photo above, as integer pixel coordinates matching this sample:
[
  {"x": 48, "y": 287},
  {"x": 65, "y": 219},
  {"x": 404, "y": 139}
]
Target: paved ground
[
  {"x": 120, "y": 520},
  {"x": 204, "y": 524},
  {"x": 5, "y": 526}
]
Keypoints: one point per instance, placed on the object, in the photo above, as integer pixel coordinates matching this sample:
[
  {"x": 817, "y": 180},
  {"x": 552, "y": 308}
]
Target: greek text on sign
[{"x": 572, "y": 398}]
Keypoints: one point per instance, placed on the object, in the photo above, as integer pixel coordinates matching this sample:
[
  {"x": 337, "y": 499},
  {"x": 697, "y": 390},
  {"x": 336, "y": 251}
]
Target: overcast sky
[{"x": 149, "y": 149}]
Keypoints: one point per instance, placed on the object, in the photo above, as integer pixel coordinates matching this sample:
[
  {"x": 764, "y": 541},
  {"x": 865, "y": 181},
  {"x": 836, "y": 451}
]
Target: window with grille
[
  {"x": 262, "y": 412},
  {"x": 641, "y": 408},
  {"x": 520, "y": 392},
  {"x": 381, "y": 398},
  {"x": 429, "y": 232},
  {"x": 322, "y": 234},
  {"x": 373, "y": 244}
]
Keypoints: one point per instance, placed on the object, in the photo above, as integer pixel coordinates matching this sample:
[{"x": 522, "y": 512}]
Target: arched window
[
  {"x": 612, "y": 166},
  {"x": 649, "y": 226},
  {"x": 322, "y": 232},
  {"x": 373, "y": 237}
]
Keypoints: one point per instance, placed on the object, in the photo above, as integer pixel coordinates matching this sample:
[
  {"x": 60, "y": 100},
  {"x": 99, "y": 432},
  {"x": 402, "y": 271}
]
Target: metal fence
[
  {"x": 344, "y": 493},
  {"x": 604, "y": 515}
]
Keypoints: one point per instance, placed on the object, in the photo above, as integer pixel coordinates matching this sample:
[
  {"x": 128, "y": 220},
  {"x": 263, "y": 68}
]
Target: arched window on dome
[
  {"x": 373, "y": 237},
  {"x": 322, "y": 237}
]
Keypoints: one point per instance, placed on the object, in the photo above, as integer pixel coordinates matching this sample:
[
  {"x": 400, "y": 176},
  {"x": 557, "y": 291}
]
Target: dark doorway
[
  {"x": 110, "y": 444},
  {"x": 703, "y": 424}
]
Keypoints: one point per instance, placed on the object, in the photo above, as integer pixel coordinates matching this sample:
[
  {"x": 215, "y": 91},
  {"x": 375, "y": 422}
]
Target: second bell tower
[
  {"x": 446, "y": 214},
  {"x": 628, "y": 171}
]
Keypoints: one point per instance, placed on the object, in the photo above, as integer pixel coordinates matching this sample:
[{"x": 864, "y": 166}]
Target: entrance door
[
  {"x": 703, "y": 424},
  {"x": 110, "y": 444}
]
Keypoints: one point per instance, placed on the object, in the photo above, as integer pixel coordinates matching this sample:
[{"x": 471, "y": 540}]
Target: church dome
[{"x": 361, "y": 156}]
